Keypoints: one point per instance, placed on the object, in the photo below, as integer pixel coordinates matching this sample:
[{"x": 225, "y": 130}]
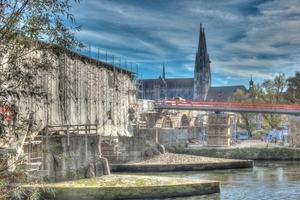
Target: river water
[{"x": 267, "y": 180}]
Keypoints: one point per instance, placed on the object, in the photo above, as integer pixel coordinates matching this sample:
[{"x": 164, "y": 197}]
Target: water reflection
[{"x": 267, "y": 180}]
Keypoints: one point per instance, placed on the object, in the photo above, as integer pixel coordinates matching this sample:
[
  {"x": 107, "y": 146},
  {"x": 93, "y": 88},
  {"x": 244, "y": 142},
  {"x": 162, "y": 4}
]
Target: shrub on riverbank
[{"x": 251, "y": 153}]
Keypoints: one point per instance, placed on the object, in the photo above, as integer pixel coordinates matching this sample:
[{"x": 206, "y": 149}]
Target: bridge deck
[{"x": 293, "y": 109}]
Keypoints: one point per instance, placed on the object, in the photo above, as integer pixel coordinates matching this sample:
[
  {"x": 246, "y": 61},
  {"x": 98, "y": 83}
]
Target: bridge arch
[
  {"x": 198, "y": 121},
  {"x": 167, "y": 122},
  {"x": 184, "y": 121}
]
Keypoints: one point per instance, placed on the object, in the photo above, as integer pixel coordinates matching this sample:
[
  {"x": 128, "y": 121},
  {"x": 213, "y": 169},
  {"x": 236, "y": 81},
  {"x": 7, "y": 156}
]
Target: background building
[{"x": 198, "y": 87}]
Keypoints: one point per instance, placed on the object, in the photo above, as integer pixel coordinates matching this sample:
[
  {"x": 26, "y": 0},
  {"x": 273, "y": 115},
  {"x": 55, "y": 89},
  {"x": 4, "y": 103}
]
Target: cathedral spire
[
  {"x": 202, "y": 51},
  {"x": 202, "y": 75},
  {"x": 251, "y": 83},
  {"x": 164, "y": 72}
]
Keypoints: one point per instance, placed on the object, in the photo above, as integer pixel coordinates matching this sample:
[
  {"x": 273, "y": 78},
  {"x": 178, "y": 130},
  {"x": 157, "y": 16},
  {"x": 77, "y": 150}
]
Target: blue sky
[{"x": 243, "y": 37}]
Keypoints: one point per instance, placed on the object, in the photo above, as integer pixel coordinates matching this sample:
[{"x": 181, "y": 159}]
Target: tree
[
  {"x": 32, "y": 32},
  {"x": 270, "y": 92},
  {"x": 246, "y": 122},
  {"x": 293, "y": 88}
]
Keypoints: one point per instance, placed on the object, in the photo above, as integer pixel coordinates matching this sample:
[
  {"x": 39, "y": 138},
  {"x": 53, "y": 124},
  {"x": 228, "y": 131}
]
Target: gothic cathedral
[
  {"x": 198, "y": 87},
  {"x": 202, "y": 76}
]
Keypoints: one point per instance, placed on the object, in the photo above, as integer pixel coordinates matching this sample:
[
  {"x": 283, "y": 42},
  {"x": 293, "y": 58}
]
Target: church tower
[
  {"x": 251, "y": 83},
  {"x": 202, "y": 76},
  {"x": 164, "y": 72}
]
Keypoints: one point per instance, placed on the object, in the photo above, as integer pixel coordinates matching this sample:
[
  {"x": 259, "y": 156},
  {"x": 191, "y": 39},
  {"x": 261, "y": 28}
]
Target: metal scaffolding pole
[
  {"x": 105, "y": 91},
  {"x": 69, "y": 88},
  {"x": 98, "y": 88},
  {"x": 89, "y": 93},
  {"x": 89, "y": 89},
  {"x": 112, "y": 94},
  {"x": 121, "y": 102},
  {"x": 78, "y": 95},
  {"x": 94, "y": 93},
  {"x": 49, "y": 98},
  {"x": 85, "y": 93},
  {"x": 64, "y": 89},
  {"x": 117, "y": 100},
  {"x": 126, "y": 97}
]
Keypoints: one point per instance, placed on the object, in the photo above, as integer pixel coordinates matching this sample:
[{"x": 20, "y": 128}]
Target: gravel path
[
  {"x": 172, "y": 158},
  {"x": 256, "y": 144}
]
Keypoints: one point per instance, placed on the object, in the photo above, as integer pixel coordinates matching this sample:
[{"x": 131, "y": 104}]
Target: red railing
[{"x": 199, "y": 103}]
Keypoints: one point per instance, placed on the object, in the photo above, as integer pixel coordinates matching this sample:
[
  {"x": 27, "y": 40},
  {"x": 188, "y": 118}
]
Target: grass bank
[
  {"x": 246, "y": 153},
  {"x": 131, "y": 186}
]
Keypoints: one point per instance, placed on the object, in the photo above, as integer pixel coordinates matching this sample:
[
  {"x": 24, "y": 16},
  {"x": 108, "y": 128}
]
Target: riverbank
[
  {"x": 132, "y": 186},
  {"x": 169, "y": 162},
  {"x": 246, "y": 150}
]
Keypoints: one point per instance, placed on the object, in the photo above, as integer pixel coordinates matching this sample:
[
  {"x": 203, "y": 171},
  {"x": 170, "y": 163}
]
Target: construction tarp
[{"x": 81, "y": 92}]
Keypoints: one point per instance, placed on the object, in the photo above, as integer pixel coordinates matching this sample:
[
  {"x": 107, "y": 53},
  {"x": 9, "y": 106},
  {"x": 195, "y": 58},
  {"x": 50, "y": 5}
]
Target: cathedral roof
[
  {"x": 171, "y": 83},
  {"x": 222, "y": 93},
  {"x": 180, "y": 82}
]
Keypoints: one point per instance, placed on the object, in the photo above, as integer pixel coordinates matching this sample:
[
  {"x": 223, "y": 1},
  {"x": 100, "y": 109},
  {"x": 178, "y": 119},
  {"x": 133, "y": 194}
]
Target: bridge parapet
[{"x": 229, "y": 106}]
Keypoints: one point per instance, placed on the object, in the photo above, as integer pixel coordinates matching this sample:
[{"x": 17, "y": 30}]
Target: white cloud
[{"x": 243, "y": 37}]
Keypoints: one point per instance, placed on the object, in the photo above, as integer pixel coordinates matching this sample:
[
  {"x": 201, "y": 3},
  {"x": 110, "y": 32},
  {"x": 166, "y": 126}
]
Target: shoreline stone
[
  {"x": 132, "y": 186},
  {"x": 245, "y": 153},
  {"x": 175, "y": 158}
]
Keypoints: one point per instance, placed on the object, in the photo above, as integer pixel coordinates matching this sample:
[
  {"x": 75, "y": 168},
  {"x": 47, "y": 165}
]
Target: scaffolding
[
  {"x": 217, "y": 129},
  {"x": 79, "y": 95},
  {"x": 80, "y": 91},
  {"x": 64, "y": 88},
  {"x": 139, "y": 88}
]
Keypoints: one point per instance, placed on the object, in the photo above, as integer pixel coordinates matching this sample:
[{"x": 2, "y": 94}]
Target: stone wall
[
  {"x": 173, "y": 137},
  {"x": 144, "y": 139},
  {"x": 77, "y": 158},
  {"x": 294, "y": 131},
  {"x": 73, "y": 161},
  {"x": 178, "y": 137},
  {"x": 135, "y": 147}
]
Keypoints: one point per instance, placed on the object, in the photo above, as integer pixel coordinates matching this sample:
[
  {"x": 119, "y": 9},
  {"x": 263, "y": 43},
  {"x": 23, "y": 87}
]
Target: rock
[
  {"x": 81, "y": 172},
  {"x": 182, "y": 145},
  {"x": 152, "y": 152},
  {"x": 156, "y": 151},
  {"x": 73, "y": 175},
  {"x": 149, "y": 153},
  {"x": 99, "y": 169},
  {"x": 132, "y": 110},
  {"x": 90, "y": 172},
  {"x": 106, "y": 170},
  {"x": 161, "y": 148}
]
